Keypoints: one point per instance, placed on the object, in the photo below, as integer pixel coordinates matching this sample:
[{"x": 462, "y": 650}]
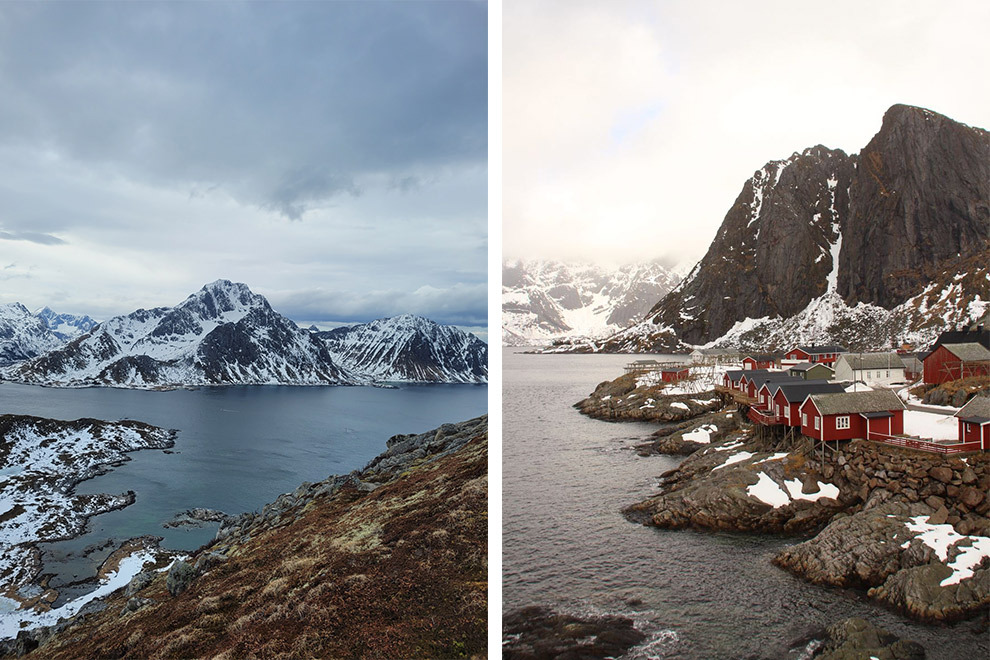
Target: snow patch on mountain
[{"x": 66, "y": 326}]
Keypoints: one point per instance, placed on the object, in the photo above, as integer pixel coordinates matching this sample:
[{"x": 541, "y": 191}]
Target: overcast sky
[
  {"x": 629, "y": 128},
  {"x": 330, "y": 155}
]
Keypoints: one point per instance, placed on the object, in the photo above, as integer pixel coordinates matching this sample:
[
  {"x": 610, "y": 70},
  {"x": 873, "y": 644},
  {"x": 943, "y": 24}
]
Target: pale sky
[
  {"x": 629, "y": 128},
  {"x": 330, "y": 155}
]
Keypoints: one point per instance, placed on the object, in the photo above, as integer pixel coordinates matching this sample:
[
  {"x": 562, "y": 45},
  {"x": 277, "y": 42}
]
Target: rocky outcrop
[
  {"x": 538, "y": 633},
  {"x": 857, "y": 639},
  {"x": 690, "y": 436},
  {"x": 929, "y": 575},
  {"x": 389, "y": 561},
  {"x": 628, "y": 399}
]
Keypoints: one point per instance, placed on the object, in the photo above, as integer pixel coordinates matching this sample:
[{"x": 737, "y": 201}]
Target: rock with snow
[
  {"x": 543, "y": 301},
  {"x": 222, "y": 334},
  {"x": 23, "y": 335},
  {"x": 409, "y": 348}
]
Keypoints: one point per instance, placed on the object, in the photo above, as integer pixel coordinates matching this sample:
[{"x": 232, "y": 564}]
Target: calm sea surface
[
  {"x": 698, "y": 594},
  {"x": 237, "y": 449}
]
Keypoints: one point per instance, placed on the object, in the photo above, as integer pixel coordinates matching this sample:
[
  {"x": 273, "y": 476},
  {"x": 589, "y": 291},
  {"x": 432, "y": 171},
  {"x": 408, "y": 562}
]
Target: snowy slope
[
  {"x": 65, "y": 326},
  {"x": 547, "y": 300},
  {"x": 23, "y": 335},
  {"x": 409, "y": 349},
  {"x": 222, "y": 334}
]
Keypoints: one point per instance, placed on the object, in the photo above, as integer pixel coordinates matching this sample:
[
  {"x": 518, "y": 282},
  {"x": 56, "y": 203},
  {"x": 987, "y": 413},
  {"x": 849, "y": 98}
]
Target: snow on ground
[
  {"x": 775, "y": 457},
  {"x": 766, "y": 490},
  {"x": 931, "y": 425},
  {"x": 679, "y": 404},
  {"x": 824, "y": 490},
  {"x": 732, "y": 445},
  {"x": 735, "y": 458},
  {"x": 12, "y": 619},
  {"x": 701, "y": 435},
  {"x": 972, "y": 549}
]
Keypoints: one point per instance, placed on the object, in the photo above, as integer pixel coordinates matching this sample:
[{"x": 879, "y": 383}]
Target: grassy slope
[{"x": 398, "y": 572}]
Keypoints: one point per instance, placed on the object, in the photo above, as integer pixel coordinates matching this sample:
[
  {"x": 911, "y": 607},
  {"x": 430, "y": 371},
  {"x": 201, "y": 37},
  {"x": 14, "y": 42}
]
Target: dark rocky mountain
[
  {"x": 822, "y": 242},
  {"x": 410, "y": 349},
  {"x": 222, "y": 334},
  {"x": 23, "y": 335}
]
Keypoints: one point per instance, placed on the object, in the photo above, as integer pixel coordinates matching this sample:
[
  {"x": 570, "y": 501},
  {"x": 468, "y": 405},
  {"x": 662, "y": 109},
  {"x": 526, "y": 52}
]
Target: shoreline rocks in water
[
  {"x": 196, "y": 517},
  {"x": 538, "y": 633},
  {"x": 855, "y": 639},
  {"x": 626, "y": 400},
  {"x": 44, "y": 459}
]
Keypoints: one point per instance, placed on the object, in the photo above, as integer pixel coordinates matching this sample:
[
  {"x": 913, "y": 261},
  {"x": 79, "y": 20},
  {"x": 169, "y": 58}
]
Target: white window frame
[
  {"x": 818, "y": 423},
  {"x": 804, "y": 419},
  {"x": 842, "y": 422}
]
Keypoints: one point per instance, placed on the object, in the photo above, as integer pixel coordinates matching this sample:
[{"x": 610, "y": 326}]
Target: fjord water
[
  {"x": 565, "y": 479},
  {"x": 237, "y": 449}
]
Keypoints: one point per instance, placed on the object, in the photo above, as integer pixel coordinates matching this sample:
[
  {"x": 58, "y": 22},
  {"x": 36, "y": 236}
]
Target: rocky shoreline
[
  {"x": 909, "y": 528},
  {"x": 627, "y": 399}
]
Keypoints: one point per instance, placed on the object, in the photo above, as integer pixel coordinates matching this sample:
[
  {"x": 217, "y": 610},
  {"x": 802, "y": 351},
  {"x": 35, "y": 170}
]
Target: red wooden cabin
[
  {"x": 954, "y": 361},
  {"x": 674, "y": 374},
  {"x": 788, "y": 397},
  {"x": 759, "y": 362},
  {"x": 849, "y": 415},
  {"x": 823, "y": 354},
  {"x": 974, "y": 422}
]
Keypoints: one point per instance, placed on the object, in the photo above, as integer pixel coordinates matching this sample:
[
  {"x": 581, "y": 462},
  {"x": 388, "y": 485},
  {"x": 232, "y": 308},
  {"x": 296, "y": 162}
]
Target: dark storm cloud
[{"x": 281, "y": 105}]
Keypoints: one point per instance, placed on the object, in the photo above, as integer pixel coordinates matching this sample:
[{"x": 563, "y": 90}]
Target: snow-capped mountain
[
  {"x": 222, "y": 334},
  {"x": 888, "y": 245},
  {"x": 409, "y": 349},
  {"x": 23, "y": 335},
  {"x": 66, "y": 326},
  {"x": 544, "y": 301}
]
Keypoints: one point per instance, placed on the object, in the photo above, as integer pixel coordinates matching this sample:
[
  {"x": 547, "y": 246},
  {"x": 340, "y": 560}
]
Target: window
[
  {"x": 818, "y": 423},
  {"x": 804, "y": 419},
  {"x": 842, "y": 422},
  {"x": 869, "y": 374},
  {"x": 888, "y": 374}
]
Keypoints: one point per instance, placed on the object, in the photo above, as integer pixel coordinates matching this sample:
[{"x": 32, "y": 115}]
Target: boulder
[{"x": 179, "y": 577}]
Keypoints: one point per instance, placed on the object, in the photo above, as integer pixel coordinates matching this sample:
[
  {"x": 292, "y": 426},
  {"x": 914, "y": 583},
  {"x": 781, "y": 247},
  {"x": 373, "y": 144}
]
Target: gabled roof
[
  {"x": 968, "y": 352},
  {"x": 856, "y": 402},
  {"x": 978, "y": 406},
  {"x": 805, "y": 366},
  {"x": 817, "y": 350},
  {"x": 978, "y": 335},
  {"x": 797, "y": 392},
  {"x": 763, "y": 357},
  {"x": 872, "y": 360},
  {"x": 735, "y": 374}
]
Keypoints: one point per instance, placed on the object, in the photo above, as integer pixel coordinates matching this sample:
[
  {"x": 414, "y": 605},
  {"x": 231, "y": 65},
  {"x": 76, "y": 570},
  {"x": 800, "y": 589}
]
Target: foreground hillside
[{"x": 389, "y": 562}]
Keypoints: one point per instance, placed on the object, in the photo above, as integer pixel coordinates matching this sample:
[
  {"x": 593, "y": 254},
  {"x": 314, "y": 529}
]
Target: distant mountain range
[
  {"x": 411, "y": 349},
  {"x": 222, "y": 334},
  {"x": 886, "y": 246},
  {"x": 23, "y": 335},
  {"x": 543, "y": 301}
]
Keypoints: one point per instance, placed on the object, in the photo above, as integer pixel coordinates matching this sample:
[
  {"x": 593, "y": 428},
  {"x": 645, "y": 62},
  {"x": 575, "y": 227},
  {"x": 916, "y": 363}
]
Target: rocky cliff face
[
  {"x": 821, "y": 232},
  {"x": 409, "y": 349}
]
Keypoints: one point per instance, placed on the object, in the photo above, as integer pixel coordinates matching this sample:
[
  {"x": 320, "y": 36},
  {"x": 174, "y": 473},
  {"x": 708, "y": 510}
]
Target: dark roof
[
  {"x": 796, "y": 392},
  {"x": 776, "y": 378},
  {"x": 978, "y": 406},
  {"x": 765, "y": 357},
  {"x": 734, "y": 374},
  {"x": 976, "y": 420},
  {"x": 978, "y": 336},
  {"x": 805, "y": 366},
  {"x": 856, "y": 402},
  {"x": 815, "y": 350},
  {"x": 877, "y": 415}
]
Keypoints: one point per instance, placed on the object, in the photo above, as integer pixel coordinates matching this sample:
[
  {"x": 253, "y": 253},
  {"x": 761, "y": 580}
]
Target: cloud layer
[
  {"x": 146, "y": 149},
  {"x": 630, "y": 127}
]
